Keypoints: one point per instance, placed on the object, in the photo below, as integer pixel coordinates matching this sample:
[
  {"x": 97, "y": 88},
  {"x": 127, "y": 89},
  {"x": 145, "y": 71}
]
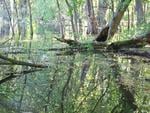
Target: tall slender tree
[
  {"x": 139, "y": 12},
  {"x": 60, "y": 20},
  {"x": 92, "y": 21},
  {"x": 102, "y": 8}
]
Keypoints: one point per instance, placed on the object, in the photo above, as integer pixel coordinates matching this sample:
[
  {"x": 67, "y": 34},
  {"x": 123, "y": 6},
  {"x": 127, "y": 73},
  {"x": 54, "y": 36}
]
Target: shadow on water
[{"x": 81, "y": 83}]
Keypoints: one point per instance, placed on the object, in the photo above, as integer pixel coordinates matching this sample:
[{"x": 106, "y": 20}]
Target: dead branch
[
  {"x": 17, "y": 74},
  {"x": 68, "y": 41},
  {"x": 17, "y": 62}
]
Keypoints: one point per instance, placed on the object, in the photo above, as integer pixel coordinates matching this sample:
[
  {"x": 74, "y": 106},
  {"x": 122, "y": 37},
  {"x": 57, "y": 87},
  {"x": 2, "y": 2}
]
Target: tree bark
[
  {"x": 139, "y": 12},
  {"x": 17, "y": 18},
  {"x": 30, "y": 17},
  {"x": 60, "y": 20},
  {"x": 102, "y": 8},
  {"x": 23, "y": 14},
  {"x": 92, "y": 22}
]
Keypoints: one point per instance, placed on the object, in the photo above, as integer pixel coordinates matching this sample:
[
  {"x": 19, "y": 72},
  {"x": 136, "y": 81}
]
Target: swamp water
[{"x": 81, "y": 83}]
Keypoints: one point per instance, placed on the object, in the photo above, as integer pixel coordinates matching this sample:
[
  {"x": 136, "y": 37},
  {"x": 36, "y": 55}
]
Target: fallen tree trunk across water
[
  {"x": 136, "y": 42},
  {"x": 128, "y": 47}
]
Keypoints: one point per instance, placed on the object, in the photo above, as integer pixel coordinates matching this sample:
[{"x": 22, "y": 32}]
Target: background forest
[{"x": 74, "y": 56}]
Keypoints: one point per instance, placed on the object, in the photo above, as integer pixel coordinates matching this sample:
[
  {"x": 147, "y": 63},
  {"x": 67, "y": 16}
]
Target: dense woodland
[{"x": 74, "y": 56}]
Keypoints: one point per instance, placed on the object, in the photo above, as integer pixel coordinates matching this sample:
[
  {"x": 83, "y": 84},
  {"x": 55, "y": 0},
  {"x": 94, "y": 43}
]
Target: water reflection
[{"x": 81, "y": 83}]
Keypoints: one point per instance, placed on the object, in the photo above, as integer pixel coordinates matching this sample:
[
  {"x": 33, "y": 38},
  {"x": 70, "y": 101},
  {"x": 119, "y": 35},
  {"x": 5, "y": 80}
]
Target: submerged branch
[
  {"x": 17, "y": 74},
  {"x": 144, "y": 54},
  {"x": 68, "y": 41},
  {"x": 17, "y": 62}
]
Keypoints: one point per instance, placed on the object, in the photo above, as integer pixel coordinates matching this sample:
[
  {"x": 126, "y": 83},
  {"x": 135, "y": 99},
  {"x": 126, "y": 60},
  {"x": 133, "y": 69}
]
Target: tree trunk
[
  {"x": 123, "y": 5},
  {"x": 60, "y": 20},
  {"x": 23, "y": 14},
  {"x": 92, "y": 22},
  {"x": 139, "y": 12},
  {"x": 30, "y": 17},
  {"x": 17, "y": 20},
  {"x": 132, "y": 17},
  {"x": 31, "y": 26},
  {"x": 76, "y": 15},
  {"x": 102, "y": 8},
  {"x": 4, "y": 21},
  {"x": 72, "y": 19},
  {"x": 128, "y": 19},
  {"x": 111, "y": 29},
  {"x": 9, "y": 10}
]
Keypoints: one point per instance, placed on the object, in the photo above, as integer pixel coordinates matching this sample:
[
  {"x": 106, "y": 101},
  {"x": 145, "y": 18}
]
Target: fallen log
[
  {"x": 136, "y": 42},
  {"x": 17, "y": 62},
  {"x": 116, "y": 47}
]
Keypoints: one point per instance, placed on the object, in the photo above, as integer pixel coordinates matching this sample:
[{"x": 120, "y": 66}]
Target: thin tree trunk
[
  {"x": 31, "y": 26},
  {"x": 80, "y": 26},
  {"x": 10, "y": 16},
  {"x": 72, "y": 20},
  {"x": 139, "y": 12},
  {"x": 92, "y": 22},
  {"x": 132, "y": 17},
  {"x": 76, "y": 15},
  {"x": 102, "y": 8},
  {"x": 30, "y": 17},
  {"x": 17, "y": 19},
  {"x": 23, "y": 14},
  {"x": 80, "y": 19},
  {"x": 144, "y": 11},
  {"x": 60, "y": 20},
  {"x": 128, "y": 19}
]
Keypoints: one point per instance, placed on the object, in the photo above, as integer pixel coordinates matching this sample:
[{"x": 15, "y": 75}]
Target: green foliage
[
  {"x": 133, "y": 32},
  {"x": 146, "y": 0},
  {"x": 45, "y": 9}
]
